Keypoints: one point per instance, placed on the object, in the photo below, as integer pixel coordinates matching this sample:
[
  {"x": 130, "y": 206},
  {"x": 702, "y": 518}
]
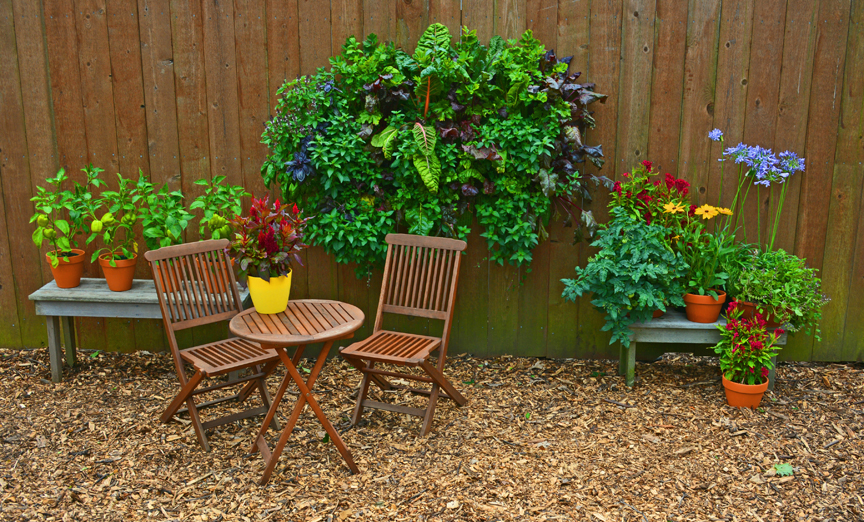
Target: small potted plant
[
  {"x": 119, "y": 254},
  {"x": 52, "y": 206},
  {"x": 164, "y": 220},
  {"x": 781, "y": 287},
  {"x": 746, "y": 349},
  {"x": 219, "y": 203},
  {"x": 267, "y": 241},
  {"x": 635, "y": 273}
]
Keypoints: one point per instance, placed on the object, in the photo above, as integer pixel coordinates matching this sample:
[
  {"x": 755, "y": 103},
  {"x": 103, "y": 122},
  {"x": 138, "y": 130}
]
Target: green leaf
[
  {"x": 62, "y": 225},
  {"x": 386, "y": 139},
  {"x": 37, "y": 237},
  {"x": 424, "y": 137},
  {"x": 433, "y": 44},
  {"x": 784, "y": 470},
  {"x": 430, "y": 171}
]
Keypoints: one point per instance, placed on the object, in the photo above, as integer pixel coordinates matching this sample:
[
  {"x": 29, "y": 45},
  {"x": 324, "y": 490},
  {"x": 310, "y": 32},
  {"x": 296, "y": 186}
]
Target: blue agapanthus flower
[
  {"x": 716, "y": 135},
  {"x": 790, "y": 163},
  {"x": 737, "y": 152}
]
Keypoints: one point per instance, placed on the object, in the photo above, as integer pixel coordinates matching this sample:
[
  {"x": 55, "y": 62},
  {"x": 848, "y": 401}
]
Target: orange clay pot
[
  {"x": 119, "y": 277},
  {"x": 704, "y": 308},
  {"x": 67, "y": 273},
  {"x": 744, "y": 395},
  {"x": 657, "y": 313}
]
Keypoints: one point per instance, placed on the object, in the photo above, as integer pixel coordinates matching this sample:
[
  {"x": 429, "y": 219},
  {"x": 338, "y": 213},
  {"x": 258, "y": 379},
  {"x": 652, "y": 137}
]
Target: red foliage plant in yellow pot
[{"x": 746, "y": 348}]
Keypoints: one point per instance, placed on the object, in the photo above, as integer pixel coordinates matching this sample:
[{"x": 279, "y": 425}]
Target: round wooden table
[{"x": 304, "y": 321}]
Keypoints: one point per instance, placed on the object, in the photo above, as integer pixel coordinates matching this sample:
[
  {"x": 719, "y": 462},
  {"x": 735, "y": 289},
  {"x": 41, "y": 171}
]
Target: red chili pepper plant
[
  {"x": 746, "y": 347},
  {"x": 268, "y": 239}
]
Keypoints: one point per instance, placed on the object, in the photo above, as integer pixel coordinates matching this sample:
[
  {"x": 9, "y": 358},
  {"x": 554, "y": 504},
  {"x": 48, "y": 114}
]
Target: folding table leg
[{"x": 305, "y": 396}]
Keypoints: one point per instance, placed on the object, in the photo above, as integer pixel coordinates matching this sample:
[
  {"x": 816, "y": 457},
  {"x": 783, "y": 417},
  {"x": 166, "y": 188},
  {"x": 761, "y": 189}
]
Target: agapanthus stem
[
  {"x": 741, "y": 211},
  {"x": 777, "y": 217},
  {"x": 759, "y": 215}
]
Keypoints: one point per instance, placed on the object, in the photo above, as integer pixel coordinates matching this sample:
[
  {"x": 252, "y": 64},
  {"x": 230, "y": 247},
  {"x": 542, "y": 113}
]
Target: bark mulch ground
[{"x": 538, "y": 440}]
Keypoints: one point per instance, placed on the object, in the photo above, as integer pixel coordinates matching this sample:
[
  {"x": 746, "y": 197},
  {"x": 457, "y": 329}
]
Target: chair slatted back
[
  {"x": 420, "y": 277},
  {"x": 195, "y": 284}
]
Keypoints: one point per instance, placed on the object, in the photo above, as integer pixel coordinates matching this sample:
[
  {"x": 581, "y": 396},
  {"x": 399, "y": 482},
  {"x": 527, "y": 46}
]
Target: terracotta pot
[
  {"x": 67, "y": 273},
  {"x": 214, "y": 282},
  {"x": 749, "y": 312},
  {"x": 657, "y": 313},
  {"x": 119, "y": 277},
  {"x": 744, "y": 395},
  {"x": 704, "y": 308},
  {"x": 748, "y": 309}
]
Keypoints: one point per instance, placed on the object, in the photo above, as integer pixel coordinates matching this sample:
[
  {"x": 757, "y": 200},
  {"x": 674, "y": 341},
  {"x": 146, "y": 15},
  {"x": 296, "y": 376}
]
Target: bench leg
[
  {"x": 69, "y": 340},
  {"x": 771, "y": 373},
  {"x": 627, "y": 363},
  {"x": 54, "y": 347}
]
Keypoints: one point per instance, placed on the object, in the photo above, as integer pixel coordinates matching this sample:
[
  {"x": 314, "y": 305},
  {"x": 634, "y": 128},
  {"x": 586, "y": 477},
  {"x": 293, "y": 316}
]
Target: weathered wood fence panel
[{"x": 181, "y": 90}]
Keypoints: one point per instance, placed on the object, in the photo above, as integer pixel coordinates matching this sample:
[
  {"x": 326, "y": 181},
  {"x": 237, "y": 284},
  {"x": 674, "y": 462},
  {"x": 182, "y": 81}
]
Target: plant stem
[
  {"x": 777, "y": 217},
  {"x": 759, "y": 215},
  {"x": 428, "y": 95},
  {"x": 741, "y": 211}
]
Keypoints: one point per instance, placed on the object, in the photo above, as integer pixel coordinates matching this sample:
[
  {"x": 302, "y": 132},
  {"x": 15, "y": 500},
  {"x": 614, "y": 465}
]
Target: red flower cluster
[
  {"x": 678, "y": 184},
  {"x": 746, "y": 346},
  {"x": 267, "y": 241}
]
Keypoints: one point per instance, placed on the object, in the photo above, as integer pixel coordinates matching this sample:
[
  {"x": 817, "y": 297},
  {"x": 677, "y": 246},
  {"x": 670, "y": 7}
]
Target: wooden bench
[
  {"x": 91, "y": 299},
  {"x": 673, "y": 328}
]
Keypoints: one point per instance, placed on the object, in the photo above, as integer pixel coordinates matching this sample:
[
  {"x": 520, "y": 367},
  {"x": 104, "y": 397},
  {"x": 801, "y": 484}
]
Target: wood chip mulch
[{"x": 538, "y": 440}]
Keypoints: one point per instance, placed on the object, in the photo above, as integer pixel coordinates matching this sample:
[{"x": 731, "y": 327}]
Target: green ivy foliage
[
  {"x": 635, "y": 273},
  {"x": 385, "y": 141}
]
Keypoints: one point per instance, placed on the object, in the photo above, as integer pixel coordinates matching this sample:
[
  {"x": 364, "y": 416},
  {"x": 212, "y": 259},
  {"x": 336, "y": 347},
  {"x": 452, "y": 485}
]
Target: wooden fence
[{"x": 181, "y": 90}]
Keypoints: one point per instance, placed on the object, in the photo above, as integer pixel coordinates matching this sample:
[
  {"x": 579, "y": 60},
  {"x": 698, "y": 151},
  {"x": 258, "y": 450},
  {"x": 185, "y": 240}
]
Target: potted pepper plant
[
  {"x": 746, "y": 350},
  {"x": 266, "y": 243},
  {"x": 119, "y": 254},
  {"x": 163, "y": 221},
  {"x": 59, "y": 218},
  {"x": 219, "y": 202}
]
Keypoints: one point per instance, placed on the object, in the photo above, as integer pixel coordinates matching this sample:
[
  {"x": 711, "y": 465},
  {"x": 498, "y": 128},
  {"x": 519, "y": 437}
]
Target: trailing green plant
[
  {"x": 59, "y": 215},
  {"x": 417, "y": 142},
  {"x": 115, "y": 226},
  {"x": 165, "y": 216},
  {"x": 219, "y": 203},
  {"x": 746, "y": 347},
  {"x": 635, "y": 273},
  {"x": 781, "y": 284}
]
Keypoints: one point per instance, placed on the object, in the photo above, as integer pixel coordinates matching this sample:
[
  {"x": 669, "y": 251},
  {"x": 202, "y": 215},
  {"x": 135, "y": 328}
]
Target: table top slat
[{"x": 304, "y": 321}]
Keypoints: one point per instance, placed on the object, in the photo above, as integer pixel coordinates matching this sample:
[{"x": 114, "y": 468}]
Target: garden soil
[{"x": 538, "y": 440}]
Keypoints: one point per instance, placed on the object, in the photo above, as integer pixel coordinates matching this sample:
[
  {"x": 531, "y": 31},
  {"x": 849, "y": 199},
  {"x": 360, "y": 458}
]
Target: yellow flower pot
[{"x": 270, "y": 297}]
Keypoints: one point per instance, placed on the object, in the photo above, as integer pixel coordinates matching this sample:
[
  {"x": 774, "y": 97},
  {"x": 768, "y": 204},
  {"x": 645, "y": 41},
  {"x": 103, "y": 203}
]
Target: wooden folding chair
[
  {"x": 420, "y": 277},
  {"x": 196, "y": 286}
]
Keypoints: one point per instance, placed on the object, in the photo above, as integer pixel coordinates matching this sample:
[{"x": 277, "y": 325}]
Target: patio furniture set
[{"x": 193, "y": 286}]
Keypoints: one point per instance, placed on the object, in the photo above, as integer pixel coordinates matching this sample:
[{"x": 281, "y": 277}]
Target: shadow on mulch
[{"x": 538, "y": 440}]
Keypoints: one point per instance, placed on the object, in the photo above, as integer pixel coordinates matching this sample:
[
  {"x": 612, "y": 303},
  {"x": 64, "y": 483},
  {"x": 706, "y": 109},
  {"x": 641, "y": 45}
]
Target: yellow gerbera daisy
[
  {"x": 672, "y": 208},
  {"x": 724, "y": 211},
  {"x": 706, "y": 211}
]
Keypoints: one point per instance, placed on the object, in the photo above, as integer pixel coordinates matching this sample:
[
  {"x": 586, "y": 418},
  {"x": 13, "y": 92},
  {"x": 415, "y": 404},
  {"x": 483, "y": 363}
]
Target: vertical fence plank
[
  {"x": 15, "y": 173},
  {"x": 449, "y": 13},
  {"x": 10, "y": 322},
  {"x": 634, "y": 89},
  {"x": 733, "y": 65},
  {"x": 220, "y": 70},
  {"x": 470, "y": 331},
  {"x": 94, "y": 63},
  {"x": 412, "y": 18},
  {"x": 763, "y": 92},
  {"x": 605, "y": 69},
  {"x": 573, "y": 33},
  {"x": 379, "y": 17},
  {"x": 314, "y": 36},
  {"x": 699, "y": 83},
  {"x": 541, "y": 16},
  {"x": 157, "y": 63},
  {"x": 791, "y": 133},
  {"x": 667, "y": 83},
  {"x": 346, "y": 18},
  {"x": 251, "y": 47},
  {"x": 853, "y": 335},
  {"x": 845, "y": 205},
  {"x": 36, "y": 96},
  {"x": 478, "y": 16},
  {"x": 510, "y": 20}
]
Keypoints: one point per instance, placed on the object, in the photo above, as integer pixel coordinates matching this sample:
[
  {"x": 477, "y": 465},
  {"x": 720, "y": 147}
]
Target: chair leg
[
  {"x": 265, "y": 398},
  {"x": 184, "y": 395},
  {"x": 430, "y": 411},
  {"x": 361, "y": 396},
  {"x": 439, "y": 378},
  {"x": 382, "y": 383},
  {"x": 196, "y": 423}
]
